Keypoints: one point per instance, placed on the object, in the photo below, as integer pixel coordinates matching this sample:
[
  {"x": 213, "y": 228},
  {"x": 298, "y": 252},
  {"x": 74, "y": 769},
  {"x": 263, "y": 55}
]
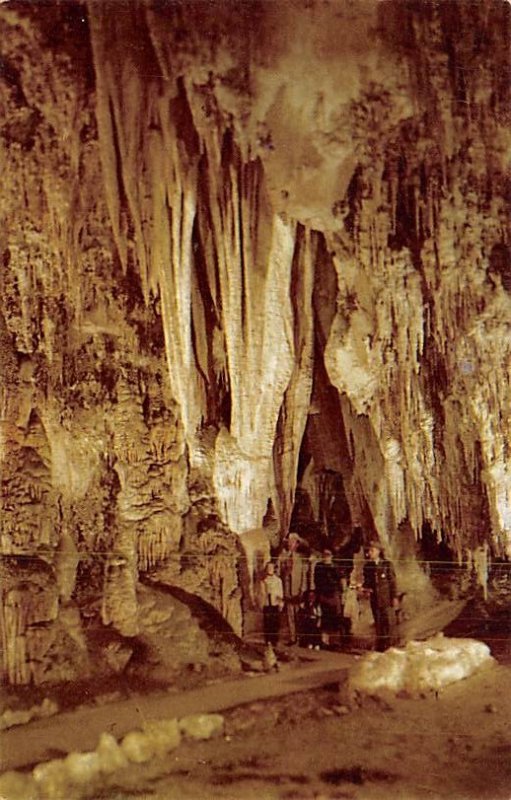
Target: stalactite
[
  {"x": 158, "y": 541},
  {"x": 420, "y": 234},
  {"x": 254, "y": 252},
  {"x": 296, "y": 401},
  {"x": 248, "y": 251}
]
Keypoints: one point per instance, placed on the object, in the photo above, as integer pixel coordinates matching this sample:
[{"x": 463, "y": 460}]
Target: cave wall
[
  {"x": 231, "y": 235},
  {"x": 96, "y": 486}
]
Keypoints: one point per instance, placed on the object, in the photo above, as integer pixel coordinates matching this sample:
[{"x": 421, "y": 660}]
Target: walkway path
[{"x": 79, "y": 730}]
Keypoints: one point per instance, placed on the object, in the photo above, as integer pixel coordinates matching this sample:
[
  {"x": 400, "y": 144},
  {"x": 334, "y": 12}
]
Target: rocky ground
[
  {"x": 320, "y": 744},
  {"x": 313, "y": 745}
]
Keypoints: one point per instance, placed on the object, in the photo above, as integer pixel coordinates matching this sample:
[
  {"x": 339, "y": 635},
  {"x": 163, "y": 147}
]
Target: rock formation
[{"x": 255, "y": 262}]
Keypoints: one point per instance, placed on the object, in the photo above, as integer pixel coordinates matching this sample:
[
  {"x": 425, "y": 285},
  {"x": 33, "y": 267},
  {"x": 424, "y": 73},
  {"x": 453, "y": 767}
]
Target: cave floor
[
  {"x": 305, "y": 746},
  {"x": 288, "y": 735},
  {"x": 80, "y": 729}
]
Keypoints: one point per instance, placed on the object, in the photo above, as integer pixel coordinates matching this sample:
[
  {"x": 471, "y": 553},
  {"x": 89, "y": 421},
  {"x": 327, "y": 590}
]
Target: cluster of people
[{"x": 313, "y": 595}]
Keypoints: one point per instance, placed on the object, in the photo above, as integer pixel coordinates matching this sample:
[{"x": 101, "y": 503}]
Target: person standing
[
  {"x": 310, "y": 621},
  {"x": 380, "y": 584},
  {"x": 327, "y": 580},
  {"x": 272, "y": 602},
  {"x": 294, "y": 570}
]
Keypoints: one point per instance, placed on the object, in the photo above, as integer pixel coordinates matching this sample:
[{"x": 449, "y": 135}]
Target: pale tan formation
[{"x": 246, "y": 255}]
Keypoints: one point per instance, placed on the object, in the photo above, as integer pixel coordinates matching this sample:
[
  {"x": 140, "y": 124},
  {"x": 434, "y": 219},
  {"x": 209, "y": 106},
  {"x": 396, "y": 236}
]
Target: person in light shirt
[{"x": 272, "y": 602}]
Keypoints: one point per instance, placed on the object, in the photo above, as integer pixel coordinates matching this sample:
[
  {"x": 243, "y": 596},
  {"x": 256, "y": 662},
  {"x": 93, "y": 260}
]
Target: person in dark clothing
[
  {"x": 380, "y": 583},
  {"x": 327, "y": 582},
  {"x": 309, "y": 618}
]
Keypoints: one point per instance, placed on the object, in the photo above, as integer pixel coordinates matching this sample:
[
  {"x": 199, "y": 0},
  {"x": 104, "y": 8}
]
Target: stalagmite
[
  {"x": 420, "y": 668},
  {"x": 119, "y": 604},
  {"x": 14, "y": 643}
]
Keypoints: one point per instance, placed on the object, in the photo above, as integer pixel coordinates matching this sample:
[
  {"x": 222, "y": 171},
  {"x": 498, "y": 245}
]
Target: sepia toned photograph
[{"x": 255, "y": 399}]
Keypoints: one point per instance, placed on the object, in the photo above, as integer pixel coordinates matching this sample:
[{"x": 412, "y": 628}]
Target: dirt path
[
  {"x": 456, "y": 746},
  {"x": 79, "y": 730}
]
